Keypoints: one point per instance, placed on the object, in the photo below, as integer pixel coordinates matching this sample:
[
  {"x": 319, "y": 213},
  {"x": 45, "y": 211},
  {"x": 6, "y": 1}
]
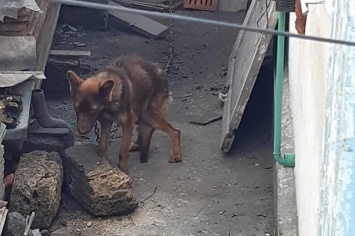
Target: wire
[{"x": 203, "y": 21}]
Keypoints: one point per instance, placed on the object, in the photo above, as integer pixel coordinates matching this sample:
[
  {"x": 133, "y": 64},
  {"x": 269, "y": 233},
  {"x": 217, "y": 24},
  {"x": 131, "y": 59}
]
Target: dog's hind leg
[
  {"x": 175, "y": 136},
  {"x": 160, "y": 122},
  {"x": 145, "y": 136}
]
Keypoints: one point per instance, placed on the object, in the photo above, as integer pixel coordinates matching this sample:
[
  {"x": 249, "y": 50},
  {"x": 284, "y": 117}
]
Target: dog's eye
[
  {"x": 76, "y": 106},
  {"x": 93, "y": 108}
]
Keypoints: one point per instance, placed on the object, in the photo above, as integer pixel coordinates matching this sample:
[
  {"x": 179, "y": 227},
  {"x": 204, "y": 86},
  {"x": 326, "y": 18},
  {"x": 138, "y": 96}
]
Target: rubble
[
  {"x": 37, "y": 186},
  {"x": 16, "y": 224},
  {"x": 100, "y": 188}
]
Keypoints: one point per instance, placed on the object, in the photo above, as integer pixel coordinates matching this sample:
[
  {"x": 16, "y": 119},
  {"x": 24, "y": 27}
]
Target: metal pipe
[
  {"x": 45, "y": 120},
  {"x": 289, "y": 159}
]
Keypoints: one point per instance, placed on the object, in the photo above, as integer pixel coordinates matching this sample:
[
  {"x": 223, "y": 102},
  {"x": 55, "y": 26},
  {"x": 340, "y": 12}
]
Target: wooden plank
[
  {"x": 144, "y": 25},
  {"x": 69, "y": 53},
  {"x": 244, "y": 65},
  {"x": 45, "y": 37}
]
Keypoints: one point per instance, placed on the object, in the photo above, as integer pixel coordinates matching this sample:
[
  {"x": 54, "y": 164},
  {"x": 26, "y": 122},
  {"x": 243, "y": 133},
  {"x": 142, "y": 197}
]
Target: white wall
[{"x": 308, "y": 62}]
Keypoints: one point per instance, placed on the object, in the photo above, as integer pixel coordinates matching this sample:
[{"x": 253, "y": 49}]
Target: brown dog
[{"x": 130, "y": 91}]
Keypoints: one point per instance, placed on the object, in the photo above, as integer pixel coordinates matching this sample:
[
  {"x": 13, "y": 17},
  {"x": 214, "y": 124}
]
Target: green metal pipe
[{"x": 289, "y": 159}]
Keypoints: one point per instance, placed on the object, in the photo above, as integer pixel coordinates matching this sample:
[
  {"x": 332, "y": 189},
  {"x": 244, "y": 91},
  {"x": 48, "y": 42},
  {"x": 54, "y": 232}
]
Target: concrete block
[
  {"x": 37, "y": 187},
  {"x": 100, "y": 188}
]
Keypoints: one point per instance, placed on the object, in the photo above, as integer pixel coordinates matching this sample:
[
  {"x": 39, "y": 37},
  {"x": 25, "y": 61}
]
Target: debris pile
[{"x": 12, "y": 105}]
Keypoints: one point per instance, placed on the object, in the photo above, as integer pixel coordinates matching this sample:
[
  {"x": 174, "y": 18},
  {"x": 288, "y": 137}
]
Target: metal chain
[
  {"x": 171, "y": 39},
  {"x": 97, "y": 132}
]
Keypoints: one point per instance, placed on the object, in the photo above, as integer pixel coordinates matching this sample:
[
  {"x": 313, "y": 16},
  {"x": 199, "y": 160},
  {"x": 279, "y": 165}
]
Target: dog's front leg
[
  {"x": 127, "y": 133},
  {"x": 105, "y": 135}
]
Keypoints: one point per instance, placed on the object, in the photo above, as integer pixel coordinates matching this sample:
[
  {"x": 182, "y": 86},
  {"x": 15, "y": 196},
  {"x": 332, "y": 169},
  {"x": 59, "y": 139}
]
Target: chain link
[
  {"x": 171, "y": 39},
  {"x": 96, "y": 129}
]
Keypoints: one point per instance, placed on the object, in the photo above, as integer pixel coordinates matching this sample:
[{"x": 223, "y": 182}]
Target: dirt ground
[{"x": 208, "y": 193}]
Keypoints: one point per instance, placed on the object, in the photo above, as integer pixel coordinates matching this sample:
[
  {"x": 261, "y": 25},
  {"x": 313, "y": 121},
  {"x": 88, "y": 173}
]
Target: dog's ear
[
  {"x": 106, "y": 89},
  {"x": 74, "y": 81}
]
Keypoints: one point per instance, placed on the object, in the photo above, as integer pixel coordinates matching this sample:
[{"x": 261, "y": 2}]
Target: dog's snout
[
  {"x": 83, "y": 130},
  {"x": 85, "y": 124}
]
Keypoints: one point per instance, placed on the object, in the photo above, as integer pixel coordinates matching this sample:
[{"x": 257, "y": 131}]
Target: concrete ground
[{"x": 209, "y": 193}]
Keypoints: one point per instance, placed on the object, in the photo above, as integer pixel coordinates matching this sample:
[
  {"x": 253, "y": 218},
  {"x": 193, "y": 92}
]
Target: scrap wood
[
  {"x": 144, "y": 25},
  {"x": 69, "y": 53}
]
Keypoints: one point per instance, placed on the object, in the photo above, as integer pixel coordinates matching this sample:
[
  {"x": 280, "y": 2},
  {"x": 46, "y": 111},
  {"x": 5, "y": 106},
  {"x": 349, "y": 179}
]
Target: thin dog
[{"x": 130, "y": 91}]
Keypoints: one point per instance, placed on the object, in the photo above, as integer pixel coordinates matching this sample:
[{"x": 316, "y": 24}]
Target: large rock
[
  {"x": 37, "y": 187},
  {"x": 100, "y": 188}
]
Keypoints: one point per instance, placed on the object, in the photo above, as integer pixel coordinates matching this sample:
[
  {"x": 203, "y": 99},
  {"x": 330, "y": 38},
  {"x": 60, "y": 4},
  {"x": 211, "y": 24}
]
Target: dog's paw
[
  {"x": 102, "y": 153},
  {"x": 175, "y": 159},
  {"x": 123, "y": 168},
  {"x": 134, "y": 147}
]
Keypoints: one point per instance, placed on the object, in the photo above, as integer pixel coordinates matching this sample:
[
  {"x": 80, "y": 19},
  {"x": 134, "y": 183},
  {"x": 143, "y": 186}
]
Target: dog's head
[{"x": 89, "y": 97}]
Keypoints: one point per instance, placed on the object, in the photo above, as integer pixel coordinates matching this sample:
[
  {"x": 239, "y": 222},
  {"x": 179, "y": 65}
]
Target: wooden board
[
  {"x": 45, "y": 37},
  {"x": 140, "y": 23},
  {"x": 69, "y": 54},
  {"x": 244, "y": 64}
]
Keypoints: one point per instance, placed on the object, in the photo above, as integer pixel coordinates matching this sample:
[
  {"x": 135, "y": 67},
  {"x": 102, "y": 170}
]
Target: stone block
[
  {"x": 100, "y": 188},
  {"x": 37, "y": 187}
]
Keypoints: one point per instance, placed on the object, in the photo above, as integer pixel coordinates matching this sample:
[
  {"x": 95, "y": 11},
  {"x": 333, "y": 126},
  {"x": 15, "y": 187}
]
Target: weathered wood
[
  {"x": 244, "y": 65},
  {"x": 45, "y": 37},
  {"x": 69, "y": 53},
  {"x": 144, "y": 25}
]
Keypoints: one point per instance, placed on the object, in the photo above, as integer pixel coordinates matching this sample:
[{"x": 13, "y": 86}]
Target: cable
[{"x": 203, "y": 21}]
